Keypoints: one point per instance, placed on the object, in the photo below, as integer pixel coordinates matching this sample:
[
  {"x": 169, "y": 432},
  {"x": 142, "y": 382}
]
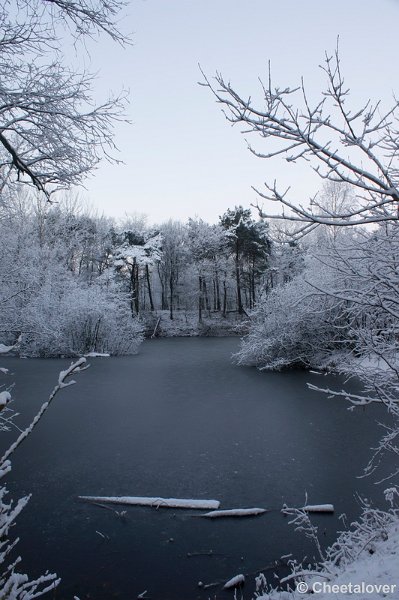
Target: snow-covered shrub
[
  {"x": 75, "y": 318},
  {"x": 296, "y": 325},
  {"x": 14, "y": 585},
  {"x": 366, "y": 552}
]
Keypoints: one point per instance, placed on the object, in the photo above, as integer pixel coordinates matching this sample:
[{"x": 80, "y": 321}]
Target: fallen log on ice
[
  {"x": 234, "y": 512},
  {"x": 275, "y": 565},
  {"x": 154, "y": 502},
  {"x": 324, "y": 508},
  {"x": 234, "y": 582}
]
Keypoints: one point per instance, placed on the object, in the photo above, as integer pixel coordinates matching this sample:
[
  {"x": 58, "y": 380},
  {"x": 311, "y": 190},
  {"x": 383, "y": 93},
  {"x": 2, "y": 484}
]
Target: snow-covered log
[
  {"x": 155, "y": 502},
  {"x": 5, "y": 398},
  {"x": 234, "y": 582},
  {"x": 235, "y": 512},
  {"x": 325, "y": 508},
  {"x": 5, "y": 349}
]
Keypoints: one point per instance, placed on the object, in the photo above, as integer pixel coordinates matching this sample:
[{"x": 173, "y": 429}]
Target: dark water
[{"x": 179, "y": 420}]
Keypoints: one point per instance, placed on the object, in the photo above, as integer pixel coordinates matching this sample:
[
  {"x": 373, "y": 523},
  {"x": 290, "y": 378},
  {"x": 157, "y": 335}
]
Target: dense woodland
[{"x": 73, "y": 283}]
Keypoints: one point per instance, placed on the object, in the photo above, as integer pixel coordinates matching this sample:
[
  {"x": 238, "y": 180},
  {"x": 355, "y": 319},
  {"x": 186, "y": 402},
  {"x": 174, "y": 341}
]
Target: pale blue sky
[{"x": 181, "y": 157}]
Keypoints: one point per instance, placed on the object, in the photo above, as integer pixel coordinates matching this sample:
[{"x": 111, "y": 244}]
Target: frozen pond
[{"x": 179, "y": 420}]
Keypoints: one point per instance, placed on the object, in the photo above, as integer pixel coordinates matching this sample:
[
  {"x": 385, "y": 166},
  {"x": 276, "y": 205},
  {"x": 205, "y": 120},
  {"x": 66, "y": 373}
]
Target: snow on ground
[
  {"x": 363, "y": 563},
  {"x": 186, "y": 324}
]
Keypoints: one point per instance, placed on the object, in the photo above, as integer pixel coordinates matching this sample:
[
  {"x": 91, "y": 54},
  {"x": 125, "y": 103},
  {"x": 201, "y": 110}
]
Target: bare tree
[
  {"x": 357, "y": 147},
  {"x": 51, "y": 131}
]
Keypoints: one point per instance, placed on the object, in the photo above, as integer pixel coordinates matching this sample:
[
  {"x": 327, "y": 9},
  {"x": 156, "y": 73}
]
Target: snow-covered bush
[
  {"x": 75, "y": 318},
  {"x": 365, "y": 553},
  {"x": 296, "y": 325},
  {"x": 56, "y": 288}
]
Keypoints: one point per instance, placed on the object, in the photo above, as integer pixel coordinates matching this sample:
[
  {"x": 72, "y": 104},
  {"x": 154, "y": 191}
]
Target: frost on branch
[
  {"x": 76, "y": 367},
  {"x": 13, "y": 585},
  {"x": 52, "y": 134},
  {"x": 359, "y": 146},
  {"x": 367, "y": 551}
]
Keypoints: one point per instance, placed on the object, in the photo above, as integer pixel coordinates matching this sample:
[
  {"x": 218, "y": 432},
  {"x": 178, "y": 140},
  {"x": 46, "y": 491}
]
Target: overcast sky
[{"x": 181, "y": 157}]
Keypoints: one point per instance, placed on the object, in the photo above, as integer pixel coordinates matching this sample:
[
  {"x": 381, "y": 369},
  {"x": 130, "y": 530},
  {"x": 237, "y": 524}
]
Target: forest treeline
[{"x": 73, "y": 282}]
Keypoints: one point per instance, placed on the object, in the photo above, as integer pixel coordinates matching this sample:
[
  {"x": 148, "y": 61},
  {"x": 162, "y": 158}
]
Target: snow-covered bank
[
  {"x": 186, "y": 324},
  {"x": 362, "y": 563}
]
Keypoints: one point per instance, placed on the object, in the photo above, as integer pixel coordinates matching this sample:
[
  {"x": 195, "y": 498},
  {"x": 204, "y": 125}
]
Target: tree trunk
[
  {"x": 134, "y": 289},
  {"x": 224, "y": 298},
  {"x": 147, "y": 274},
  {"x": 238, "y": 281},
  {"x": 200, "y": 298},
  {"x": 205, "y": 290},
  {"x": 217, "y": 292},
  {"x": 253, "y": 284},
  {"x": 164, "y": 304},
  {"x": 171, "y": 296}
]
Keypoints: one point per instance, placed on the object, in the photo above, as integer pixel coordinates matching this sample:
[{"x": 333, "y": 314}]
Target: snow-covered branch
[
  {"x": 357, "y": 147},
  {"x": 76, "y": 367}
]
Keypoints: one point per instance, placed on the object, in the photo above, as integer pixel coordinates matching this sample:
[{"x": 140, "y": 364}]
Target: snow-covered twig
[
  {"x": 76, "y": 367},
  {"x": 13, "y": 585}
]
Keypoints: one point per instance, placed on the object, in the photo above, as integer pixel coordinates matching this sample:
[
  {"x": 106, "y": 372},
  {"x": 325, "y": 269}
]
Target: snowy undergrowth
[
  {"x": 359, "y": 564},
  {"x": 185, "y": 324}
]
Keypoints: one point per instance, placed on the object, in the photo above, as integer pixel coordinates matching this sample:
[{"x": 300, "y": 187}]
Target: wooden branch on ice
[
  {"x": 310, "y": 508},
  {"x": 209, "y": 553},
  {"x": 277, "y": 564},
  {"x": 234, "y": 582},
  {"x": 154, "y": 502},
  {"x": 323, "y": 508},
  {"x": 235, "y": 512}
]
